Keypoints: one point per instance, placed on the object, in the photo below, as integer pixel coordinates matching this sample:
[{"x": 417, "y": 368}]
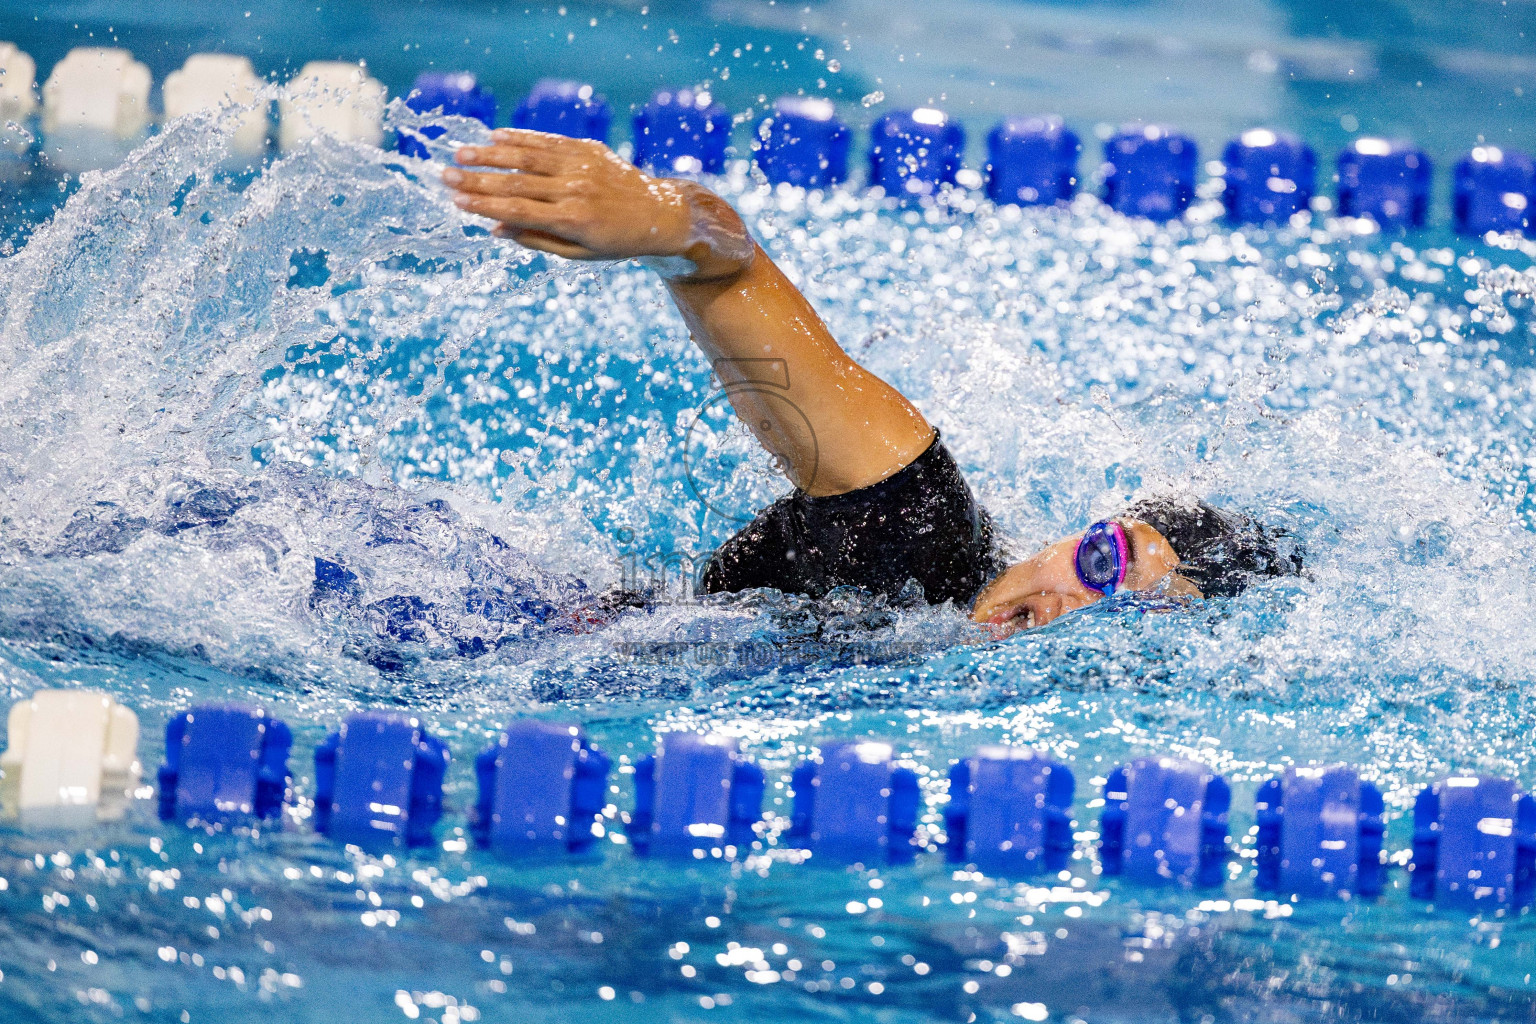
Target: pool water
[{"x": 210, "y": 381}]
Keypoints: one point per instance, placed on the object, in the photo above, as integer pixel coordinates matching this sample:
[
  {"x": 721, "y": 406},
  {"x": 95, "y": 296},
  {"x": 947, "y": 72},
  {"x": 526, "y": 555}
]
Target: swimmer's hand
[{"x": 578, "y": 199}]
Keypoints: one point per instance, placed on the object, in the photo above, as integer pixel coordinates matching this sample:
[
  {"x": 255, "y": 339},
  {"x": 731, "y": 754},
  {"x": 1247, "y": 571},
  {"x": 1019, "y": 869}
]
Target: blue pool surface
[{"x": 211, "y": 380}]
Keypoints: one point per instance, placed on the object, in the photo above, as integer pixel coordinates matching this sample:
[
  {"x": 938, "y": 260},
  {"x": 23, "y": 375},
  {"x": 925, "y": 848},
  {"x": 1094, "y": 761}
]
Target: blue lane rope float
[
  {"x": 1474, "y": 843},
  {"x": 1032, "y": 160},
  {"x": 682, "y": 131},
  {"x": 1319, "y": 833},
  {"x": 1387, "y": 180},
  {"x": 541, "y": 790},
  {"x": 566, "y": 108},
  {"x": 1493, "y": 191},
  {"x": 454, "y": 92},
  {"x": 1149, "y": 171},
  {"x": 379, "y": 780},
  {"x": 914, "y": 153},
  {"x": 1269, "y": 177},
  {"x": 855, "y": 804},
  {"x": 695, "y": 795},
  {"x": 1164, "y": 820},
  {"x": 803, "y": 143},
  {"x": 1010, "y": 811},
  {"x": 224, "y": 759}
]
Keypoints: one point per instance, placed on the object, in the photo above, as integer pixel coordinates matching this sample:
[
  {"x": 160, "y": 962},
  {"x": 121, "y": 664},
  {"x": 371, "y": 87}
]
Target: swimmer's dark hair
[{"x": 1219, "y": 552}]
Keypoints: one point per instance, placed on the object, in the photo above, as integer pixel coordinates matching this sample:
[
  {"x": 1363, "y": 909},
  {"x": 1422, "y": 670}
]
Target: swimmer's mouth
[
  {"x": 1011, "y": 620},
  {"x": 1032, "y": 612}
]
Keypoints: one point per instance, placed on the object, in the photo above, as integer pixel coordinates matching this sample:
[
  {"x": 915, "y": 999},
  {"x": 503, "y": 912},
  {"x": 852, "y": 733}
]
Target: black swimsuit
[{"x": 921, "y": 524}]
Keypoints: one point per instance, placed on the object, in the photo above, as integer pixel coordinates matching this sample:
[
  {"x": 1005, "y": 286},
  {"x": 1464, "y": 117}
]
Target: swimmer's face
[{"x": 1045, "y": 586}]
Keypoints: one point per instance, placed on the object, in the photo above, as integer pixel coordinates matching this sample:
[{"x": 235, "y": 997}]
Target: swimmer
[{"x": 878, "y": 499}]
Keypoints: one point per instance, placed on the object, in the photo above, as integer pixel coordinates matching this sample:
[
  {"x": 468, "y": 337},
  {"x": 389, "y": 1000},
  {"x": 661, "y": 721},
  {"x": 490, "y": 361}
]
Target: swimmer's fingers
[
  {"x": 545, "y": 242},
  {"x": 528, "y": 159},
  {"x": 528, "y": 186},
  {"x": 514, "y": 212},
  {"x": 532, "y": 139},
  {"x": 542, "y": 226}
]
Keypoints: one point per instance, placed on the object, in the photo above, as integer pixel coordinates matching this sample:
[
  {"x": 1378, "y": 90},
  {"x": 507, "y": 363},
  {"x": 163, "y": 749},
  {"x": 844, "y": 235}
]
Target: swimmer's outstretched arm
[{"x": 836, "y": 427}]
